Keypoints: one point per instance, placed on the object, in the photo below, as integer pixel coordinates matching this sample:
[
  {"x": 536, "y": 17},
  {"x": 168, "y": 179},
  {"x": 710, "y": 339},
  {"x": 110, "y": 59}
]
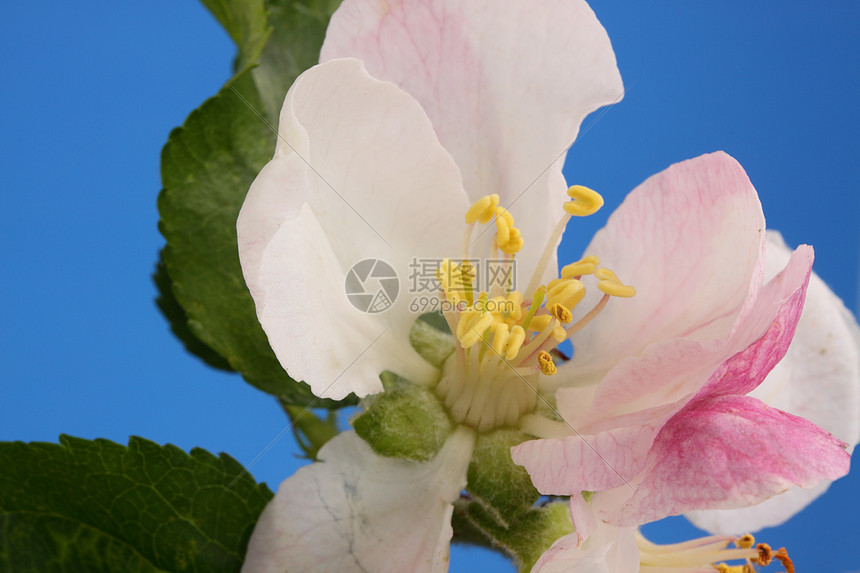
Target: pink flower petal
[
  {"x": 506, "y": 84},
  {"x": 762, "y": 336},
  {"x": 583, "y": 517},
  {"x": 726, "y": 452},
  {"x": 585, "y": 462},
  {"x": 818, "y": 379},
  {"x": 643, "y": 393},
  {"x": 690, "y": 240}
]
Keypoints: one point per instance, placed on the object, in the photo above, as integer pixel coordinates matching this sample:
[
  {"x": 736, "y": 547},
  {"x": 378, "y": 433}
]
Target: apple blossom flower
[
  {"x": 418, "y": 113},
  {"x": 380, "y": 157},
  {"x": 669, "y": 427}
]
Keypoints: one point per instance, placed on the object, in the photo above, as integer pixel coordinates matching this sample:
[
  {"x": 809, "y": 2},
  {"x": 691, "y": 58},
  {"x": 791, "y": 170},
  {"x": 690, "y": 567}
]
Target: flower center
[
  {"x": 507, "y": 339},
  {"x": 710, "y": 552}
]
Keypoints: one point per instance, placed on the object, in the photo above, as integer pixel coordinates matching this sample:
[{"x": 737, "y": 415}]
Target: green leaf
[
  {"x": 207, "y": 167},
  {"x": 527, "y": 537},
  {"x": 98, "y": 506},
  {"x": 405, "y": 421},
  {"x": 245, "y": 22},
  {"x": 294, "y": 46},
  {"x": 175, "y": 315},
  {"x": 495, "y": 481}
]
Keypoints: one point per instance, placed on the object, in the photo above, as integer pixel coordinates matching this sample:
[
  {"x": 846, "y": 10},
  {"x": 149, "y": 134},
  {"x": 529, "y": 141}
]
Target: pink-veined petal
[
  {"x": 727, "y": 452},
  {"x": 620, "y": 430},
  {"x": 818, "y": 379},
  {"x": 358, "y": 174},
  {"x": 673, "y": 371},
  {"x": 356, "y": 511},
  {"x": 567, "y": 466},
  {"x": 583, "y": 517},
  {"x": 690, "y": 240},
  {"x": 506, "y": 84}
]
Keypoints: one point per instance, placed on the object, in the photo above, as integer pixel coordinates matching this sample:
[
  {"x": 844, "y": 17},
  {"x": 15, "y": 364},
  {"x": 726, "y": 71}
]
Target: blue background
[{"x": 92, "y": 90}]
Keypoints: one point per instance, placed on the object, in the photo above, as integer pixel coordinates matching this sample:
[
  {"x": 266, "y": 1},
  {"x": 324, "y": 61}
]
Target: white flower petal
[
  {"x": 358, "y": 173},
  {"x": 506, "y": 84},
  {"x": 356, "y": 511},
  {"x": 818, "y": 379}
]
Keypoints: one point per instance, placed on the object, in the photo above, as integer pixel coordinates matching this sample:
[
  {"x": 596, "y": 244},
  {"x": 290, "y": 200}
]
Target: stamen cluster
[
  {"x": 506, "y": 339},
  {"x": 710, "y": 554}
]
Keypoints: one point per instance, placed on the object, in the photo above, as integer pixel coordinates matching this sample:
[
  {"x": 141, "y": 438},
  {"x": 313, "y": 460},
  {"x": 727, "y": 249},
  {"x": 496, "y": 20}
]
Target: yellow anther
[
  {"x": 472, "y": 326},
  {"x": 514, "y": 306},
  {"x": 514, "y": 244},
  {"x": 585, "y": 201},
  {"x": 609, "y": 283},
  {"x": 515, "y": 342},
  {"x": 745, "y": 541},
  {"x": 503, "y": 232},
  {"x": 606, "y": 275},
  {"x": 584, "y": 266},
  {"x": 483, "y": 209},
  {"x": 456, "y": 280},
  {"x": 540, "y": 322},
  {"x": 547, "y": 366},
  {"x": 500, "y": 338},
  {"x": 568, "y": 292},
  {"x": 560, "y": 312},
  {"x": 502, "y": 213},
  {"x": 723, "y": 568},
  {"x": 544, "y": 321}
]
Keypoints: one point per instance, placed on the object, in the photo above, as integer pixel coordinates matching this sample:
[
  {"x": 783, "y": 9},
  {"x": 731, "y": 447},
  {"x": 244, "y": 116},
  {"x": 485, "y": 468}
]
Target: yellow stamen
[
  {"x": 540, "y": 322},
  {"x": 537, "y": 300},
  {"x": 503, "y": 231},
  {"x": 515, "y": 342},
  {"x": 514, "y": 306},
  {"x": 568, "y": 292},
  {"x": 584, "y": 266},
  {"x": 547, "y": 367},
  {"x": 472, "y": 326},
  {"x": 560, "y": 312},
  {"x": 723, "y": 568},
  {"x": 500, "y": 338},
  {"x": 514, "y": 244},
  {"x": 585, "y": 201},
  {"x": 745, "y": 541},
  {"x": 502, "y": 213},
  {"x": 608, "y": 282},
  {"x": 483, "y": 209}
]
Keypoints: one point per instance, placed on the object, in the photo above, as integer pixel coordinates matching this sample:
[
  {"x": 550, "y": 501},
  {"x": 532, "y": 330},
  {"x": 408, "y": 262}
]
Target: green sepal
[
  {"x": 432, "y": 339},
  {"x": 84, "y": 505},
  {"x": 527, "y": 536},
  {"x": 405, "y": 421},
  {"x": 502, "y": 487}
]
